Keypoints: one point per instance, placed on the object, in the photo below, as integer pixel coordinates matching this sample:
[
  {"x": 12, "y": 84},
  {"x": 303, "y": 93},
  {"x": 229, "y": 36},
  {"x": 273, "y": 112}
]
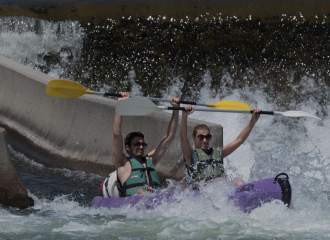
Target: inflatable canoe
[{"x": 246, "y": 197}]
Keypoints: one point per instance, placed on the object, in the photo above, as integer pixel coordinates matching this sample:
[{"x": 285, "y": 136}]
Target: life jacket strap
[
  {"x": 213, "y": 161},
  {"x": 143, "y": 169},
  {"x": 125, "y": 187}
]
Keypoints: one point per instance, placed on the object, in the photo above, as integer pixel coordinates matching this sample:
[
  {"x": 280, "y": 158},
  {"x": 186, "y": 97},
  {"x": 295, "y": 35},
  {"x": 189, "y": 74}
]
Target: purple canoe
[{"x": 246, "y": 197}]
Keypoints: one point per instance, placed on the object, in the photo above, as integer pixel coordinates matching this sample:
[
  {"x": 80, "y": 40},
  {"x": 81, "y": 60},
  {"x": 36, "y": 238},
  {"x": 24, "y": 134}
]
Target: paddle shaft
[
  {"x": 107, "y": 94},
  {"x": 217, "y": 110}
]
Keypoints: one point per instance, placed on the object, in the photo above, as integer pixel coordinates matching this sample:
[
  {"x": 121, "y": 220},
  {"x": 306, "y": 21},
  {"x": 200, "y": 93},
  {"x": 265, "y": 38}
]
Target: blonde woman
[{"x": 203, "y": 162}]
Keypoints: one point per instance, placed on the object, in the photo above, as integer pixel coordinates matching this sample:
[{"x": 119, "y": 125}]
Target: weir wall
[
  {"x": 12, "y": 191},
  {"x": 76, "y": 133}
]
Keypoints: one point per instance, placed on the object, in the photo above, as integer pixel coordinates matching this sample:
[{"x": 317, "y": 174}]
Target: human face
[
  {"x": 204, "y": 144},
  {"x": 137, "y": 147}
]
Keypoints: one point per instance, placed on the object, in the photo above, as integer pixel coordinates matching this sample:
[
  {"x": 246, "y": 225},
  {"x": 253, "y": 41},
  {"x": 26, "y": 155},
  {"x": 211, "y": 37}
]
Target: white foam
[{"x": 29, "y": 41}]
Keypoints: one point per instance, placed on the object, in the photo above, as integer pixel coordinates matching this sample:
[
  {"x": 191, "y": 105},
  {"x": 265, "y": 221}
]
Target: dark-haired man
[{"x": 136, "y": 173}]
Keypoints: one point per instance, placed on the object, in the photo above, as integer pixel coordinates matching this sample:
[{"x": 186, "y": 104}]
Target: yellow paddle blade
[
  {"x": 66, "y": 89},
  {"x": 228, "y": 104}
]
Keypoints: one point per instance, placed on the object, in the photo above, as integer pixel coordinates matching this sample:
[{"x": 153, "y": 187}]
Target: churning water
[{"x": 298, "y": 147}]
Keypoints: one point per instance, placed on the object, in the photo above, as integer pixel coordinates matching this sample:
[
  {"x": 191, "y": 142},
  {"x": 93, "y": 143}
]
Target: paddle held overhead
[
  {"x": 70, "y": 89},
  {"x": 142, "y": 107}
]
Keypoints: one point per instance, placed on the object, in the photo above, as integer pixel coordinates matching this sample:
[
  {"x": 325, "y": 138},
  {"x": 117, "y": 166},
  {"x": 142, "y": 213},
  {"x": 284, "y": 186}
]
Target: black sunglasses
[
  {"x": 207, "y": 137},
  {"x": 138, "y": 144}
]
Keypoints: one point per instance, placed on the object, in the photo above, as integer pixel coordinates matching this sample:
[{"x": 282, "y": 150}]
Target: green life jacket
[
  {"x": 206, "y": 166},
  {"x": 138, "y": 179}
]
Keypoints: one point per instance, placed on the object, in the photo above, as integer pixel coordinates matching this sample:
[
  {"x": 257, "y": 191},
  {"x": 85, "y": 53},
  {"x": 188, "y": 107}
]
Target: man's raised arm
[
  {"x": 161, "y": 148},
  {"x": 119, "y": 157}
]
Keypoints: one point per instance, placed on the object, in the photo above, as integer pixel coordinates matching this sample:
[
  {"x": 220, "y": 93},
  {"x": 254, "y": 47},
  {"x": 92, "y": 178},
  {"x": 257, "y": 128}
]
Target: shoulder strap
[
  {"x": 135, "y": 164},
  {"x": 217, "y": 154},
  {"x": 149, "y": 164}
]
